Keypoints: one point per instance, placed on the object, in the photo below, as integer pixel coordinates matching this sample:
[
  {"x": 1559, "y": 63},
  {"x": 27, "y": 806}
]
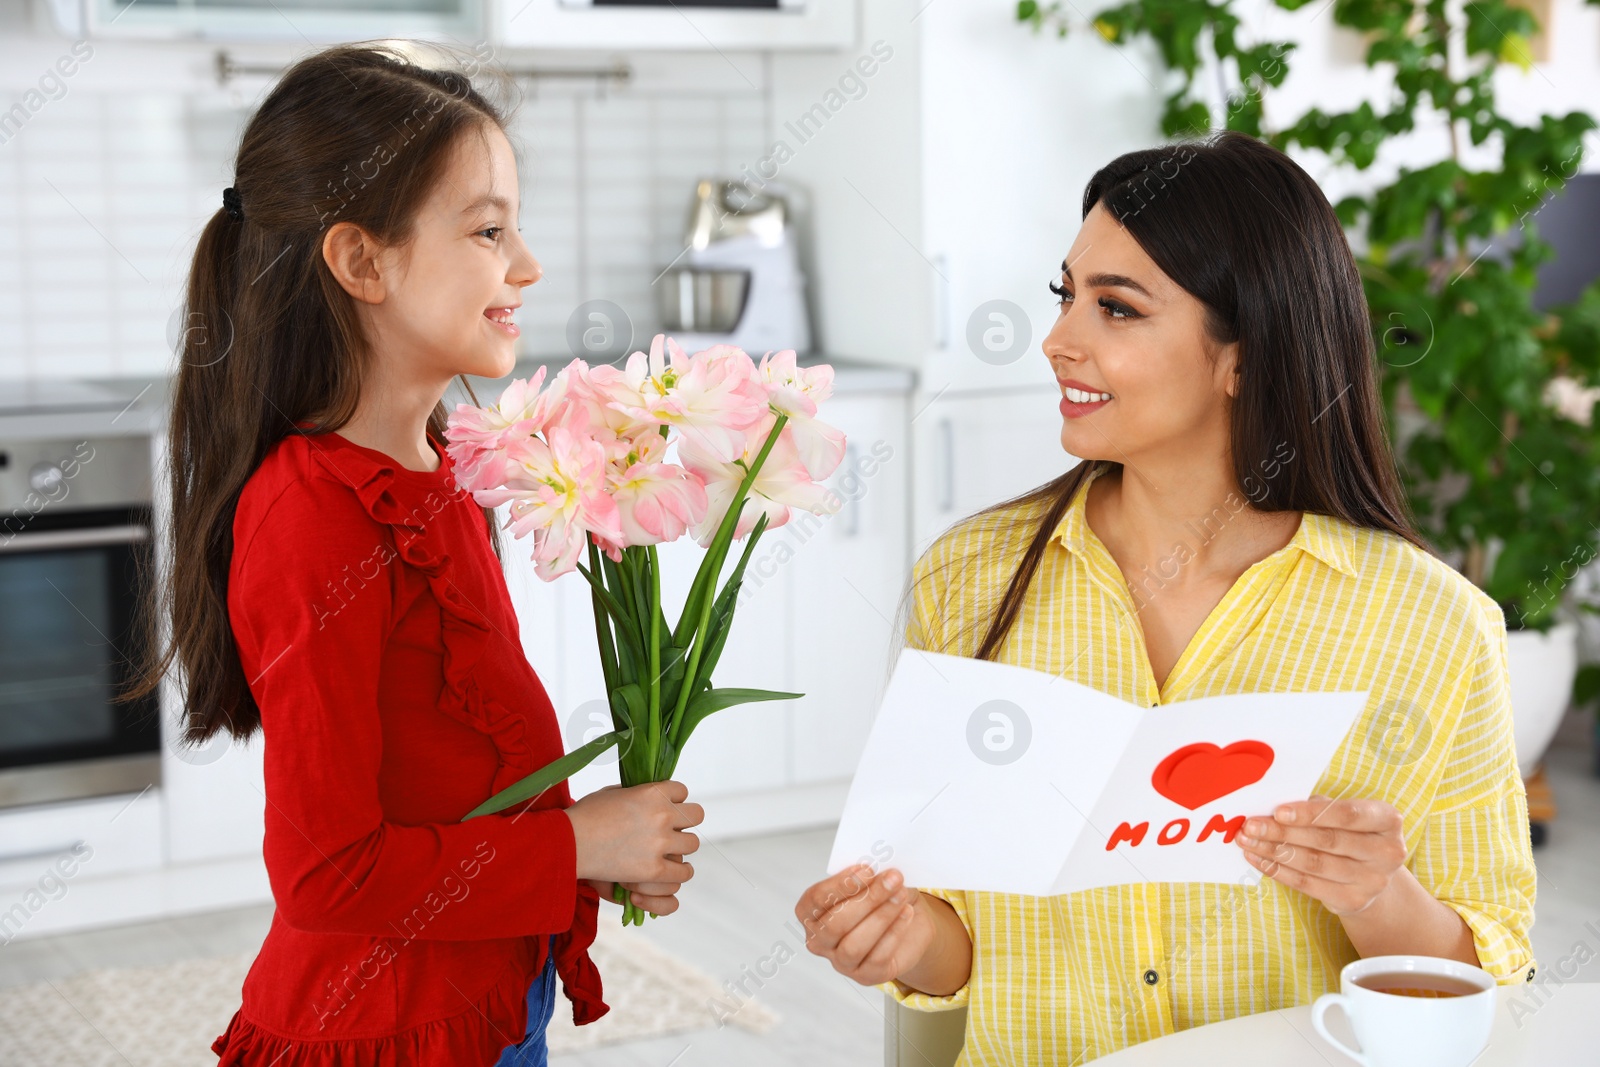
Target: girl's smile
[{"x": 500, "y": 318}]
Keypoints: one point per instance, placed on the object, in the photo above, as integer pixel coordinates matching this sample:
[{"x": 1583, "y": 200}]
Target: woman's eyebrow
[{"x": 1107, "y": 281}]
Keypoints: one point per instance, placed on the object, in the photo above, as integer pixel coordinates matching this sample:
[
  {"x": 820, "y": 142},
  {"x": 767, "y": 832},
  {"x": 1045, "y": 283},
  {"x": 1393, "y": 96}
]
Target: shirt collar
[{"x": 1330, "y": 540}]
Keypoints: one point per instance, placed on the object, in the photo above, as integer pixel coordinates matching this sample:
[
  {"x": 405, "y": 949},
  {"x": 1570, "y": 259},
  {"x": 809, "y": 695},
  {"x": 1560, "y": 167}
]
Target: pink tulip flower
[
  {"x": 557, "y": 491},
  {"x": 796, "y": 391},
  {"x": 712, "y": 397},
  {"x": 782, "y": 483},
  {"x": 476, "y": 434}
]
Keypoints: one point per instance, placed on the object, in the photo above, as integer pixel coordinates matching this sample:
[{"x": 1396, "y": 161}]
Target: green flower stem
[
  {"x": 632, "y": 914},
  {"x": 713, "y": 561},
  {"x": 655, "y": 656}
]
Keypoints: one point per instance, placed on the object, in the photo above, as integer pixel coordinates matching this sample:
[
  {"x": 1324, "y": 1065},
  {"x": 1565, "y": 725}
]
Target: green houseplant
[{"x": 1490, "y": 400}]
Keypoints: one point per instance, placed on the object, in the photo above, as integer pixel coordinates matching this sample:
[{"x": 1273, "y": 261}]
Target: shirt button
[
  {"x": 1151, "y": 977},
  {"x": 1530, "y": 974}
]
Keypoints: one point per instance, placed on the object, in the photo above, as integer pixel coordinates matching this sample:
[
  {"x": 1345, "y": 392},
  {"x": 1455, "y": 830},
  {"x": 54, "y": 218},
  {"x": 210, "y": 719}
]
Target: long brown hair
[
  {"x": 355, "y": 133},
  {"x": 1249, "y": 234}
]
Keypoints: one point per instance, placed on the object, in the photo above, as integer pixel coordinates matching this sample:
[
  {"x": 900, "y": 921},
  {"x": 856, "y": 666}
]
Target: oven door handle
[{"x": 48, "y": 539}]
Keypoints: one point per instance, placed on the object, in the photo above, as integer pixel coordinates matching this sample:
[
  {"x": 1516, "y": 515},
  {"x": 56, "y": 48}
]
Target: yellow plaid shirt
[{"x": 1060, "y": 980}]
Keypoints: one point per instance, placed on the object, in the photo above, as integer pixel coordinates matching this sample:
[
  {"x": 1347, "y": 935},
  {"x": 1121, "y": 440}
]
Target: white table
[{"x": 1550, "y": 1026}]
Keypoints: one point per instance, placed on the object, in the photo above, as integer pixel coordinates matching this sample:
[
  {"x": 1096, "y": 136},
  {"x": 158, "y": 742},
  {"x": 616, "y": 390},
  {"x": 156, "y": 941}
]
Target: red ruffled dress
[{"x": 377, "y": 635}]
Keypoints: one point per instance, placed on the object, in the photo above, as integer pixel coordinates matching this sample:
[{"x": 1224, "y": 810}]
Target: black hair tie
[{"x": 231, "y": 203}]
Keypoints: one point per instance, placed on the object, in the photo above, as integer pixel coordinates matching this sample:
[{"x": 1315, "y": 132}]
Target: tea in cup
[{"x": 1412, "y": 1011}]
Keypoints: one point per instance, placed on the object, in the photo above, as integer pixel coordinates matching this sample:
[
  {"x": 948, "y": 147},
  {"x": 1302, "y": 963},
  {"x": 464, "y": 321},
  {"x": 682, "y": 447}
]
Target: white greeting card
[{"x": 984, "y": 776}]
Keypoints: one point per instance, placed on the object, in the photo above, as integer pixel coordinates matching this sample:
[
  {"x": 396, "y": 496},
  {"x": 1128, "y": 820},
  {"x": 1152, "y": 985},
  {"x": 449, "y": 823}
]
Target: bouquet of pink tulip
[{"x": 584, "y": 466}]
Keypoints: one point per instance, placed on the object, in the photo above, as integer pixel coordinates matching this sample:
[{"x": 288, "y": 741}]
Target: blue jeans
[{"x": 531, "y": 1050}]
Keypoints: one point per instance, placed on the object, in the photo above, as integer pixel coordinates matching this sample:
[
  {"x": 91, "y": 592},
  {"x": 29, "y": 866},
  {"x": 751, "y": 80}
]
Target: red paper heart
[{"x": 1200, "y": 773}]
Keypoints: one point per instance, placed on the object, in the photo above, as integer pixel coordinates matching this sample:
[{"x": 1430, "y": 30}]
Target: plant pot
[{"x": 1542, "y": 667}]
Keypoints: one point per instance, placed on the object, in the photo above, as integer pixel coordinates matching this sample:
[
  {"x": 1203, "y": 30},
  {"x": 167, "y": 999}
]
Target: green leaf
[
  {"x": 602, "y": 627},
  {"x": 1184, "y": 116},
  {"x": 626, "y": 629},
  {"x": 1494, "y": 26},
  {"x": 631, "y": 697},
  {"x": 714, "y": 700},
  {"x": 548, "y": 775},
  {"x": 1350, "y": 209},
  {"x": 722, "y": 611},
  {"x": 1268, "y": 62},
  {"x": 635, "y": 570},
  {"x": 672, "y": 666},
  {"x": 1586, "y": 686}
]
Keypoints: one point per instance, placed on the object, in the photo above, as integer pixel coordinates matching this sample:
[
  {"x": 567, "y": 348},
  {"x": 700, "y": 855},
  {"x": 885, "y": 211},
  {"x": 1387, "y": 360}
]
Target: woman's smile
[{"x": 1078, "y": 399}]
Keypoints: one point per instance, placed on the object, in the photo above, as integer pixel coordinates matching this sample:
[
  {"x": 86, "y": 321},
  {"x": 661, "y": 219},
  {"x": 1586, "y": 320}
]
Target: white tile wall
[{"x": 102, "y": 196}]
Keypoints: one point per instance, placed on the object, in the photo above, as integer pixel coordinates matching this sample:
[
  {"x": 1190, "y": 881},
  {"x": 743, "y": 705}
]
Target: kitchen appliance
[
  {"x": 739, "y": 280},
  {"x": 75, "y": 539},
  {"x": 704, "y": 26}
]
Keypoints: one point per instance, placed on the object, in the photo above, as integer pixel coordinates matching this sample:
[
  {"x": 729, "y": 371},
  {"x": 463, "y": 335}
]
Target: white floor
[{"x": 737, "y": 916}]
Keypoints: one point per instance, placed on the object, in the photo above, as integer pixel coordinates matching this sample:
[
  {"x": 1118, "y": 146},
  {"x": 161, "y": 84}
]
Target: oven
[{"x": 75, "y": 543}]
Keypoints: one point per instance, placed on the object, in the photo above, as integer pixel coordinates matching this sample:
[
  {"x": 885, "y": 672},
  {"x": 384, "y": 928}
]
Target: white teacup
[{"x": 1444, "y": 1020}]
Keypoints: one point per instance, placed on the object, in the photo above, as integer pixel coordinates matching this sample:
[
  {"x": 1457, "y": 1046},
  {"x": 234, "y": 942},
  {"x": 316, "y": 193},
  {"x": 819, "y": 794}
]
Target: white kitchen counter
[{"x": 850, "y": 375}]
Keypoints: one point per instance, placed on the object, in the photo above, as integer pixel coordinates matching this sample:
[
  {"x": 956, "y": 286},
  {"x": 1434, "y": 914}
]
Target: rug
[{"x": 167, "y": 1016}]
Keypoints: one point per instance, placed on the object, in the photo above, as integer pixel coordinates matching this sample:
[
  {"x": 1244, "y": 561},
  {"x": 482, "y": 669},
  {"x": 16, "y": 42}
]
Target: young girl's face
[{"x": 464, "y": 268}]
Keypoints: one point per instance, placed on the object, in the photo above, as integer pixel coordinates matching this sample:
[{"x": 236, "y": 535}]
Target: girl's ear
[{"x": 353, "y": 256}]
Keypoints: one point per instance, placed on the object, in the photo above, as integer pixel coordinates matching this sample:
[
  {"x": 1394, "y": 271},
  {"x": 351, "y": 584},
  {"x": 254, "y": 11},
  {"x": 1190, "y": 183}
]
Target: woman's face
[
  {"x": 1139, "y": 375},
  {"x": 465, "y": 267}
]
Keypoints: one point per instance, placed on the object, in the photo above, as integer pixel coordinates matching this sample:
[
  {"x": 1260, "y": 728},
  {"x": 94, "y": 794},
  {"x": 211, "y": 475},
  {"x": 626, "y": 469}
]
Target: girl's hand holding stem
[{"x": 637, "y": 836}]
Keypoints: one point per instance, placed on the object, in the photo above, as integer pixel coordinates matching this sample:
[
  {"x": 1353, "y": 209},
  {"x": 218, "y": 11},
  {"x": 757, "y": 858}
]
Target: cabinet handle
[
  {"x": 852, "y": 465},
  {"x": 40, "y": 853},
  {"x": 941, "y": 303},
  {"x": 947, "y": 439}
]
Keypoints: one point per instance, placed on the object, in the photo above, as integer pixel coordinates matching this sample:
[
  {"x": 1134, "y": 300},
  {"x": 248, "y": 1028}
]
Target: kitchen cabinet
[
  {"x": 783, "y": 25},
  {"x": 54, "y": 855},
  {"x": 1005, "y": 157},
  {"x": 92, "y": 837},
  {"x": 958, "y": 184},
  {"x": 849, "y": 579},
  {"x": 298, "y": 21},
  {"x": 980, "y": 448},
  {"x": 214, "y": 796}
]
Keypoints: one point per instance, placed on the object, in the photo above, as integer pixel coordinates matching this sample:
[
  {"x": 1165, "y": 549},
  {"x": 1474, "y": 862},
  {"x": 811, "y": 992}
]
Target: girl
[
  {"x": 1236, "y": 525},
  {"x": 331, "y": 586}
]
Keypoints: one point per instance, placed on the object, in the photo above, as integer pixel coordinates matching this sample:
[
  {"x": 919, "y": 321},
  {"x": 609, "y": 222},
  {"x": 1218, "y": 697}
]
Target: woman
[{"x": 1236, "y": 526}]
